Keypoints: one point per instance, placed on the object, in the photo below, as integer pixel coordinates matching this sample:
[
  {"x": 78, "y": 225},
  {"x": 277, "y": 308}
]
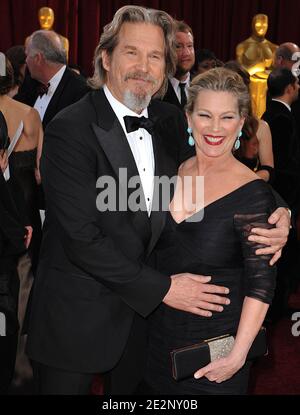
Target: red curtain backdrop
[{"x": 218, "y": 25}]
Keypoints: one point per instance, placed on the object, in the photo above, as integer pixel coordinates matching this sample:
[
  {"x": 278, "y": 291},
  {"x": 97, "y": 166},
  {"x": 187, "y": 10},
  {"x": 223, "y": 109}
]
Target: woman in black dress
[
  {"x": 14, "y": 238},
  {"x": 24, "y": 160},
  {"x": 207, "y": 233}
]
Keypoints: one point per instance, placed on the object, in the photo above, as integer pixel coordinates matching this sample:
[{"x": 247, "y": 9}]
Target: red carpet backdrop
[
  {"x": 218, "y": 25},
  {"x": 279, "y": 372}
]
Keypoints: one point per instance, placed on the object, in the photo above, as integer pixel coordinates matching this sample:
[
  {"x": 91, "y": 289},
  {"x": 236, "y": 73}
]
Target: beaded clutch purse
[{"x": 186, "y": 360}]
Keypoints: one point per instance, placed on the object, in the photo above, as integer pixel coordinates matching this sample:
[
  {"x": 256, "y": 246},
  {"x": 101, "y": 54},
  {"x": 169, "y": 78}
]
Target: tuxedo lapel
[
  {"x": 111, "y": 137},
  {"x": 115, "y": 146},
  {"x": 52, "y": 107},
  {"x": 159, "y": 206},
  {"x": 113, "y": 142}
]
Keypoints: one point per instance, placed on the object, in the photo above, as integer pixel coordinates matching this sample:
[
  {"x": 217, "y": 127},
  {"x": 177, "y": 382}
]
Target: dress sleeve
[{"x": 260, "y": 277}]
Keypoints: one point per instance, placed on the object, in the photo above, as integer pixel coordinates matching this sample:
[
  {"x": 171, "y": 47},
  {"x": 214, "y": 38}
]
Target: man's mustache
[{"x": 140, "y": 76}]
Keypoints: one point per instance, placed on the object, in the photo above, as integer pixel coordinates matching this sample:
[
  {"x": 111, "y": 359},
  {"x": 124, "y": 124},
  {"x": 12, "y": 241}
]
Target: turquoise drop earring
[
  {"x": 191, "y": 140},
  {"x": 237, "y": 141}
]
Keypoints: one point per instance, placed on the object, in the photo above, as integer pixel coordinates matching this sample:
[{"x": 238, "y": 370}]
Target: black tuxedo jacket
[
  {"x": 171, "y": 96},
  {"x": 71, "y": 88},
  {"x": 92, "y": 276},
  {"x": 285, "y": 143}
]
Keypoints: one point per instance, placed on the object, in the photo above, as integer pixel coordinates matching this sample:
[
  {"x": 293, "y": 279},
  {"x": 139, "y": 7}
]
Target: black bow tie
[
  {"x": 43, "y": 89},
  {"x": 134, "y": 123}
]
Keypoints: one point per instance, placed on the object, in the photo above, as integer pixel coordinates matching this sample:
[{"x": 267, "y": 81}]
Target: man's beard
[
  {"x": 139, "y": 100},
  {"x": 136, "y": 102},
  {"x": 181, "y": 72}
]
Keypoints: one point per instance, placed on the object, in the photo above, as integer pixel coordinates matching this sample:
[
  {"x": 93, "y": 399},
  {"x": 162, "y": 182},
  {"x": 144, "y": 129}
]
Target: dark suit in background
[
  {"x": 71, "y": 88},
  {"x": 285, "y": 142},
  {"x": 171, "y": 96}
]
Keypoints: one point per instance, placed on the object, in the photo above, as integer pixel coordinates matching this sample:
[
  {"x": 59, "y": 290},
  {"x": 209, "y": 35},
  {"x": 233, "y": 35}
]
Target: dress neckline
[{"x": 213, "y": 202}]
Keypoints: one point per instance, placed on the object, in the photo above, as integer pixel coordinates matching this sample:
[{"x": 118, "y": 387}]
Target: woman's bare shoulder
[
  {"x": 33, "y": 116},
  {"x": 263, "y": 128},
  {"x": 32, "y": 124},
  {"x": 19, "y": 106}
]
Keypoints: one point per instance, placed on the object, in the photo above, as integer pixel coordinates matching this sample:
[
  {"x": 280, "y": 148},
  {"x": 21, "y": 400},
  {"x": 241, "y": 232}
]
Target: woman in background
[
  {"x": 17, "y": 57},
  {"x": 14, "y": 239},
  {"x": 255, "y": 149},
  {"x": 24, "y": 170},
  {"x": 24, "y": 160}
]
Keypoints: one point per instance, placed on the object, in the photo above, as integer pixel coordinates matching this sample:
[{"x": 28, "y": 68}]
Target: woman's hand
[
  {"x": 3, "y": 161},
  {"x": 274, "y": 238},
  {"x": 221, "y": 369},
  {"x": 37, "y": 175},
  {"x": 28, "y": 236}
]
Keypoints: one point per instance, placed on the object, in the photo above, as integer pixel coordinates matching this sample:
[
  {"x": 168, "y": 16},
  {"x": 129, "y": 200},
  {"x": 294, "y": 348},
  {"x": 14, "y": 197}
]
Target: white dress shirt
[
  {"x": 42, "y": 103},
  {"x": 175, "y": 84},
  {"x": 140, "y": 142}
]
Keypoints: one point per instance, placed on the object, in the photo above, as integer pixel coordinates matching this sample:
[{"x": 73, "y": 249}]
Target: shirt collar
[
  {"x": 282, "y": 102},
  {"x": 55, "y": 80},
  {"x": 120, "y": 109},
  {"x": 175, "y": 82}
]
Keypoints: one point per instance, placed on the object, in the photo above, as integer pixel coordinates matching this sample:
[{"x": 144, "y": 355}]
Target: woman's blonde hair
[
  {"x": 220, "y": 80},
  {"x": 110, "y": 37}
]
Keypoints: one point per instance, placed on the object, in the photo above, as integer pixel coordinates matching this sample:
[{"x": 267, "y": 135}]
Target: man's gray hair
[
  {"x": 110, "y": 37},
  {"x": 41, "y": 42},
  {"x": 285, "y": 52}
]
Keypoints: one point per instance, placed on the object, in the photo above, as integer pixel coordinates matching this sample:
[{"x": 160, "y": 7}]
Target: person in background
[
  {"x": 52, "y": 86},
  {"x": 205, "y": 59},
  {"x": 24, "y": 160},
  {"x": 255, "y": 149},
  {"x": 283, "y": 88},
  {"x": 179, "y": 82},
  {"x": 287, "y": 56},
  {"x": 17, "y": 57},
  {"x": 24, "y": 123},
  {"x": 15, "y": 237}
]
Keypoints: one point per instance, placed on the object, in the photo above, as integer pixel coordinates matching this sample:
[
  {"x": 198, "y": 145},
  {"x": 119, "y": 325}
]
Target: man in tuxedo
[
  {"x": 178, "y": 84},
  {"x": 94, "y": 287},
  {"x": 283, "y": 89},
  {"x": 287, "y": 55},
  {"x": 51, "y": 85}
]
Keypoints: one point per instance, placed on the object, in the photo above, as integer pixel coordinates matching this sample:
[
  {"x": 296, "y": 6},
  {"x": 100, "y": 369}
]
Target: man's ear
[
  {"x": 105, "y": 60},
  {"x": 288, "y": 89},
  {"x": 40, "y": 59},
  {"x": 280, "y": 61}
]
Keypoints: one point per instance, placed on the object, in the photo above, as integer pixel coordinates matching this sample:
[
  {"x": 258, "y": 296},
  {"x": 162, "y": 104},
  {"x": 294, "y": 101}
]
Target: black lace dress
[
  {"x": 214, "y": 245},
  {"x": 22, "y": 165},
  {"x": 12, "y": 233}
]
